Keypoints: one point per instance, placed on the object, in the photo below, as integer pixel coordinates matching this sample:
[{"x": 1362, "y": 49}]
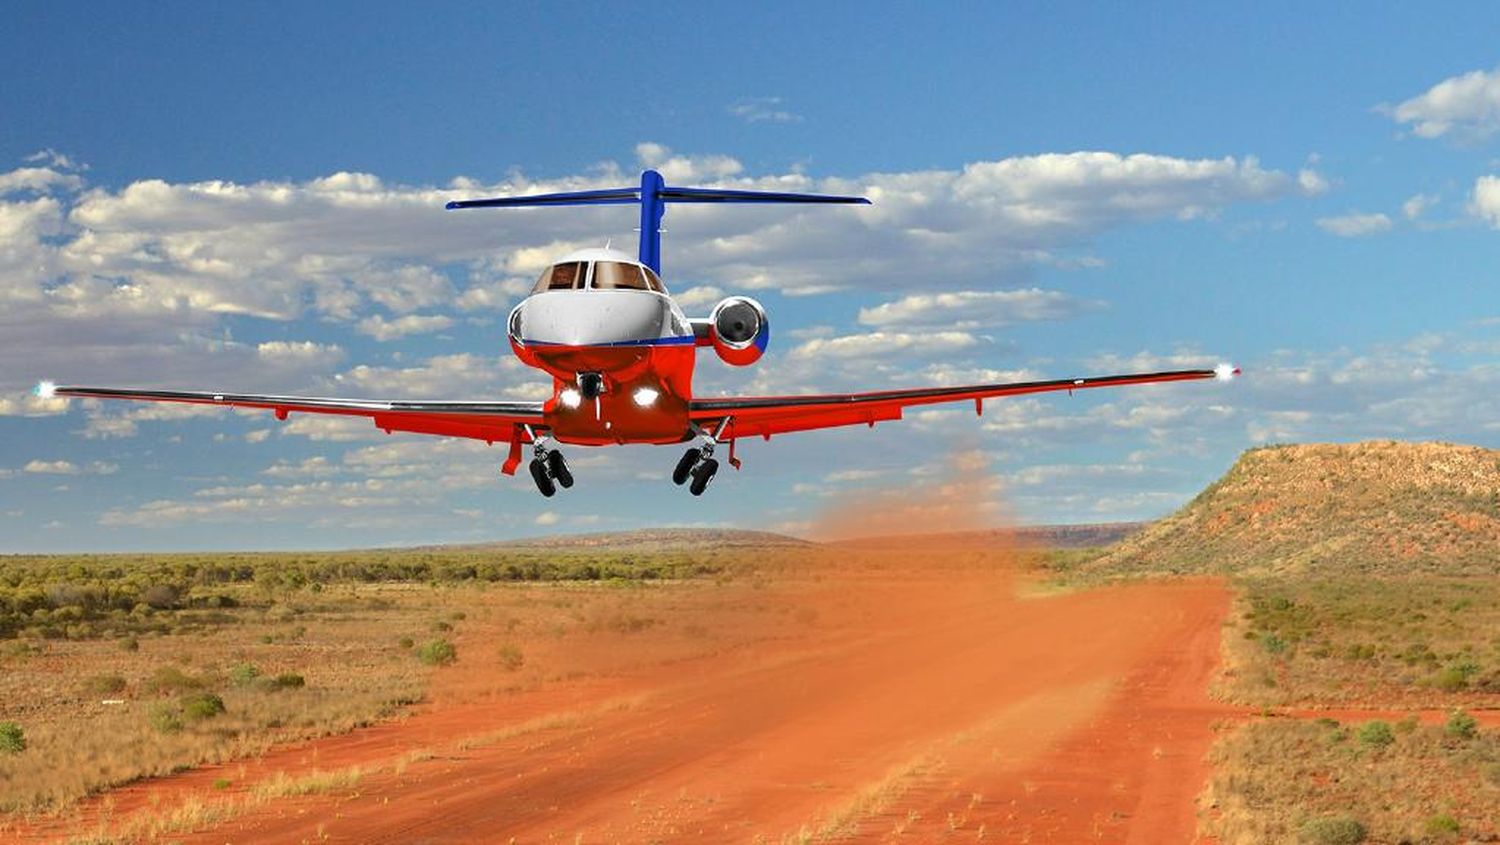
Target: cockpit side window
[
  {"x": 566, "y": 276},
  {"x": 617, "y": 275},
  {"x": 652, "y": 281}
]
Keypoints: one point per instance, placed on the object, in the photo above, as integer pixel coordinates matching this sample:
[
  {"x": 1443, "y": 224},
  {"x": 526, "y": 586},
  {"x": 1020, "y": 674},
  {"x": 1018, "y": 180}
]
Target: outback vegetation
[{"x": 117, "y": 667}]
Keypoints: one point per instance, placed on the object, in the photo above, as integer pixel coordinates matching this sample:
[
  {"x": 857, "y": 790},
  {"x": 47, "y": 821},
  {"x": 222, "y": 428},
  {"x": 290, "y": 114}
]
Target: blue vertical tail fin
[{"x": 653, "y": 196}]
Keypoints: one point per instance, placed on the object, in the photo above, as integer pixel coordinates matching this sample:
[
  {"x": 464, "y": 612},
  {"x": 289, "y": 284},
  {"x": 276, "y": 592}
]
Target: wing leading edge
[
  {"x": 768, "y": 415},
  {"x": 491, "y": 422}
]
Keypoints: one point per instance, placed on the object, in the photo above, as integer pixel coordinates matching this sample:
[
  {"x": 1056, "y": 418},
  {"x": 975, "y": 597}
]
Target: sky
[{"x": 248, "y": 197}]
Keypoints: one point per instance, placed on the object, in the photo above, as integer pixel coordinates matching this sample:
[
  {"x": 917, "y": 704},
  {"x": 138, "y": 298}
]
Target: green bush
[
  {"x": 204, "y": 705},
  {"x": 1444, "y": 828},
  {"x": 1461, "y": 726},
  {"x": 1376, "y": 734},
  {"x": 130, "y": 644},
  {"x": 1332, "y": 830},
  {"x": 243, "y": 674},
  {"x": 164, "y": 717},
  {"x": 437, "y": 653},
  {"x": 221, "y": 783},
  {"x": 12, "y": 738},
  {"x": 511, "y": 658}
]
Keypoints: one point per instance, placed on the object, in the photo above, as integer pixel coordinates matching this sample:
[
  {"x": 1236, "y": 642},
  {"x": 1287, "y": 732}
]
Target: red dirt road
[{"x": 904, "y": 709}]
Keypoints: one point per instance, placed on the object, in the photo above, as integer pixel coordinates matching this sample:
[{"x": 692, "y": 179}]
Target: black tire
[
  {"x": 703, "y": 474},
  {"x": 685, "y": 466},
  {"x": 543, "y": 481},
  {"x": 558, "y": 467}
]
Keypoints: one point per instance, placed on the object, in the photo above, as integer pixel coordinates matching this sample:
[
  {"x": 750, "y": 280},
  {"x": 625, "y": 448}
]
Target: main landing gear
[
  {"x": 549, "y": 469},
  {"x": 697, "y": 466}
]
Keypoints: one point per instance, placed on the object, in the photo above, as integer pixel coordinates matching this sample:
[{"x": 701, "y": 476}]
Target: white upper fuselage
[{"x": 597, "y": 309}]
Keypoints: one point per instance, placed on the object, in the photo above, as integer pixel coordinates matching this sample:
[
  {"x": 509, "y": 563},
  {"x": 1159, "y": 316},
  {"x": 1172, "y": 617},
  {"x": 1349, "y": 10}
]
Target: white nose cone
[{"x": 1225, "y": 372}]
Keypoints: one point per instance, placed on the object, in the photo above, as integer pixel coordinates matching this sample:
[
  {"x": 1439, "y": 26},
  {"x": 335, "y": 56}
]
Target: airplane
[{"x": 621, "y": 355}]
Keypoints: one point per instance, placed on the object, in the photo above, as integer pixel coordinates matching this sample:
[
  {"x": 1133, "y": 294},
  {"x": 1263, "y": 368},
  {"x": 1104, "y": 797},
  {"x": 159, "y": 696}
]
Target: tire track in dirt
[{"x": 1059, "y": 712}]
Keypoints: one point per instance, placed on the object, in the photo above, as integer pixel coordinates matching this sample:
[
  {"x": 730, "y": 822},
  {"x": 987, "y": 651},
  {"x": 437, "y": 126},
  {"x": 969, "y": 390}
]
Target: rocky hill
[{"x": 1379, "y": 508}]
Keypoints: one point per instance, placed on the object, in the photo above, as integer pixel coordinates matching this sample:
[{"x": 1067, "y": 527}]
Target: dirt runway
[{"x": 869, "y": 706}]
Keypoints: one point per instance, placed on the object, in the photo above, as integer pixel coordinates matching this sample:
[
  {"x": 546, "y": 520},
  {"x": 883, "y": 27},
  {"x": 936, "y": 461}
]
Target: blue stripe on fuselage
[{"x": 676, "y": 340}]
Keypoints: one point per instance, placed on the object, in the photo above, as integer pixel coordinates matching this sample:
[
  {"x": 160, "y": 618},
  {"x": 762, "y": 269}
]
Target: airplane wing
[
  {"x": 488, "y": 421},
  {"x": 768, "y": 415}
]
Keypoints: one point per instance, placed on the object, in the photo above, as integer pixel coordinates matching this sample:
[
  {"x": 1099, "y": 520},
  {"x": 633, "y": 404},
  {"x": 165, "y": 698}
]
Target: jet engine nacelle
[{"x": 739, "y": 330}]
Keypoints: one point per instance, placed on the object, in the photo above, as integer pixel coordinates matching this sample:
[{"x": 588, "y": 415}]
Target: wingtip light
[
  {"x": 45, "y": 390},
  {"x": 1225, "y": 372}
]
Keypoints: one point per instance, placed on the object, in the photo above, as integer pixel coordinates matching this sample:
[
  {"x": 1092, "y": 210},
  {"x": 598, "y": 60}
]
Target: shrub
[
  {"x": 104, "y": 684},
  {"x": 286, "y": 680},
  {"x": 1450, "y": 679},
  {"x": 243, "y": 674},
  {"x": 221, "y": 783},
  {"x": 204, "y": 705},
  {"x": 161, "y": 596},
  {"x": 511, "y": 658},
  {"x": 164, "y": 717},
  {"x": 1332, "y": 830},
  {"x": 407, "y": 642},
  {"x": 437, "y": 653},
  {"x": 130, "y": 644},
  {"x": 441, "y": 627},
  {"x": 1443, "y": 828},
  {"x": 1376, "y": 734},
  {"x": 1461, "y": 725},
  {"x": 12, "y": 738}
]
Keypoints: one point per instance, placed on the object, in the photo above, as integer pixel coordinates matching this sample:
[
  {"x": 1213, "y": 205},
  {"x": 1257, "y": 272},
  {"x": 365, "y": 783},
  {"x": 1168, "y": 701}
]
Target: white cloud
[
  {"x": 384, "y": 330},
  {"x": 699, "y": 297},
  {"x": 976, "y": 309},
  {"x": 883, "y": 344},
  {"x": 548, "y": 518},
  {"x": 764, "y": 110},
  {"x": 1417, "y": 205},
  {"x": 1486, "y": 200},
  {"x": 1467, "y": 105},
  {"x": 41, "y": 467},
  {"x": 1355, "y": 225}
]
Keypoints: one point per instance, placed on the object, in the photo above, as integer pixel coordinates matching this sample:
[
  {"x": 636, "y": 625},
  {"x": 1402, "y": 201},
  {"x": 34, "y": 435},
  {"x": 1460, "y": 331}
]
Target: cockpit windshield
[
  {"x": 617, "y": 275},
  {"x": 566, "y": 276},
  {"x": 607, "y": 275}
]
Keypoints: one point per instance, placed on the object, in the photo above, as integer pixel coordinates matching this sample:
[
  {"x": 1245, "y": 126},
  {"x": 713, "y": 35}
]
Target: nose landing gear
[{"x": 549, "y": 469}]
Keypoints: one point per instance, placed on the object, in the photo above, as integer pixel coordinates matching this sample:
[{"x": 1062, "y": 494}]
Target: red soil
[{"x": 906, "y": 708}]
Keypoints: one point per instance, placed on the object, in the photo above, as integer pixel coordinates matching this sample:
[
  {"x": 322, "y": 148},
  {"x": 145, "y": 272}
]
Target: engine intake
[{"x": 740, "y": 330}]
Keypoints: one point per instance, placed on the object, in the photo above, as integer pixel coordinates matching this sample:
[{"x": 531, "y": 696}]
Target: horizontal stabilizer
[{"x": 606, "y": 196}]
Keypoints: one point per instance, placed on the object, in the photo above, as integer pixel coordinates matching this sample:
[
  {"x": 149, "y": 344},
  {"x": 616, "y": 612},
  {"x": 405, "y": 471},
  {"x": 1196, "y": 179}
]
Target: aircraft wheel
[
  {"x": 703, "y": 474},
  {"x": 557, "y": 467},
  {"x": 543, "y": 480},
  {"x": 685, "y": 465}
]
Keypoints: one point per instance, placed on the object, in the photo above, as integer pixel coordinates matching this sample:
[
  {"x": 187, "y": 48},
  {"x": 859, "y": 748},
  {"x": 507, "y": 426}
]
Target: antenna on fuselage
[{"x": 653, "y": 196}]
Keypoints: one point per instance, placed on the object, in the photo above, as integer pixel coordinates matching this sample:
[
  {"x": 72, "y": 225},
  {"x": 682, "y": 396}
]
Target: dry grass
[
  {"x": 1352, "y": 642},
  {"x": 343, "y": 645},
  {"x": 1290, "y": 781}
]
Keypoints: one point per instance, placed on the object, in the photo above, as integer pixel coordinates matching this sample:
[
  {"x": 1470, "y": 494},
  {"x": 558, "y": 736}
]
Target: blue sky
[{"x": 249, "y": 197}]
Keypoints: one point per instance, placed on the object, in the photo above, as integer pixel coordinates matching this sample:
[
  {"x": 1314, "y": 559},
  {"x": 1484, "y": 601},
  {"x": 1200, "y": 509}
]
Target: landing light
[
  {"x": 645, "y": 396},
  {"x": 1225, "y": 372},
  {"x": 570, "y": 397},
  {"x": 45, "y": 390}
]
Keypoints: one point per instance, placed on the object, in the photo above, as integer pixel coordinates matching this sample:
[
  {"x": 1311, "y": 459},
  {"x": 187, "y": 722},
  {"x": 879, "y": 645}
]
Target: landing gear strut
[
  {"x": 549, "y": 469},
  {"x": 698, "y": 463}
]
